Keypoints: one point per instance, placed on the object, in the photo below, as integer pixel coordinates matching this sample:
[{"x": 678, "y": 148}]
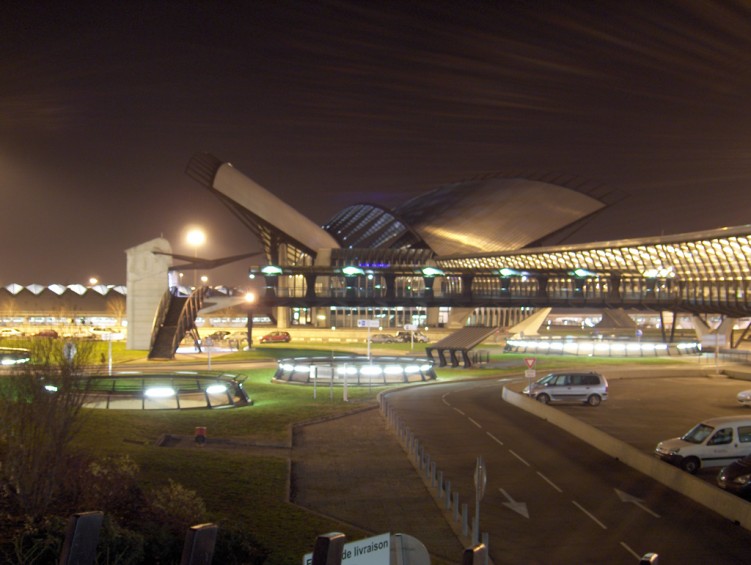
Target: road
[{"x": 551, "y": 498}]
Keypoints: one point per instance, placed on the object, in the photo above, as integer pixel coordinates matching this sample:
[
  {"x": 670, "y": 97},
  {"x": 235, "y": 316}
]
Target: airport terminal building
[{"x": 488, "y": 251}]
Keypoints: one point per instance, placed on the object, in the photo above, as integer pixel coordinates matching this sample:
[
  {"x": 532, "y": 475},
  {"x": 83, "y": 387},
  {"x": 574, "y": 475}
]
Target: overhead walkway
[
  {"x": 175, "y": 319},
  {"x": 457, "y": 345}
]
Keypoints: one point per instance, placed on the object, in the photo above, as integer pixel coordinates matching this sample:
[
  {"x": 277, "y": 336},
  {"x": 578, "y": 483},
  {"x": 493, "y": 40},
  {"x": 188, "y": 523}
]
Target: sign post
[
  {"x": 530, "y": 373},
  {"x": 411, "y": 328},
  {"x": 481, "y": 480},
  {"x": 368, "y": 324}
]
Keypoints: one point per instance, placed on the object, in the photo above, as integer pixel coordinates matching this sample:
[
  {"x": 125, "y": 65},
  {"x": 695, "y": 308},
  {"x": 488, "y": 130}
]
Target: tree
[{"x": 40, "y": 408}]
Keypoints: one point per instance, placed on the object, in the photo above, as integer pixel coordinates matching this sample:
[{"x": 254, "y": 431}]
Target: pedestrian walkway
[{"x": 354, "y": 470}]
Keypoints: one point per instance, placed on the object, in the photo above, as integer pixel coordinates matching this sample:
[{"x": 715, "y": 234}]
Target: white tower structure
[{"x": 147, "y": 281}]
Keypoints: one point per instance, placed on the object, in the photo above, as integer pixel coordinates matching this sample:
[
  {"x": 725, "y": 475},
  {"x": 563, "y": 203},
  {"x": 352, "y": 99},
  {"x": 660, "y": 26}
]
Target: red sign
[{"x": 530, "y": 361}]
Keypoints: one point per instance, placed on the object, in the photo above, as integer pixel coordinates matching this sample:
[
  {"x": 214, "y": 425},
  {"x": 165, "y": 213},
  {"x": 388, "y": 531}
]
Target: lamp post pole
[
  {"x": 196, "y": 238},
  {"x": 250, "y": 298}
]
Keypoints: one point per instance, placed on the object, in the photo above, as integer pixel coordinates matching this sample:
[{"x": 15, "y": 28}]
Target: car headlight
[{"x": 742, "y": 479}]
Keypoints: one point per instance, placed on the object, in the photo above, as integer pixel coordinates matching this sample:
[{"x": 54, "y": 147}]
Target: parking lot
[{"x": 646, "y": 407}]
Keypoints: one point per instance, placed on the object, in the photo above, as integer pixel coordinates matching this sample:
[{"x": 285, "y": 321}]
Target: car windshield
[
  {"x": 698, "y": 433},
  {"x": 546, "y": 379}
]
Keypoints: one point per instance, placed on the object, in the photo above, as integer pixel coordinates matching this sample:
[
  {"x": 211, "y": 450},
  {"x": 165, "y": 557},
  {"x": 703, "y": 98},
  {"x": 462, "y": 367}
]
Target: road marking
[
  {"x": 631, "y": 551},
  {"x": 443, "y": 398},
  {"x": 580, "y": 507},
  {"x": 551, "y": 483},
  {"x": 511, "y": 451},
  {"x": 474, "y": 422},
  {"x": 495, "y": 439},
  {"x": 625, "y": 497},
  {"x": 460, "y": 412},
  {"x": 518, "y": 507}
]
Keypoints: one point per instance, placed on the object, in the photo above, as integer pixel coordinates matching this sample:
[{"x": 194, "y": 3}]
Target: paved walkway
[{"x": 354, "y": 470}]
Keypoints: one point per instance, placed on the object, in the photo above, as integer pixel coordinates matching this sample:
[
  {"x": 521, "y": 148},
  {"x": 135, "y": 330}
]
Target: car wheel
[
  {"x": 690, "y": 465},
  {"x": 594, "y": 400},
  {"x": 544, "y": 398}
]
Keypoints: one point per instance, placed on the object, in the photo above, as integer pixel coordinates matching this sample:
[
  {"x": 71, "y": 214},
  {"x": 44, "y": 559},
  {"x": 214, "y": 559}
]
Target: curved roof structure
[
  {"x": 474, "y": 216},
  {"x": 492, "y": 215}
]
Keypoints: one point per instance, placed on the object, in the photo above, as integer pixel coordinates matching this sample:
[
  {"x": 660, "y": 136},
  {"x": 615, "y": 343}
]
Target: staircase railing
[
  {"x": 159, "y": 317},
  {"x": 186, "y": 324}
]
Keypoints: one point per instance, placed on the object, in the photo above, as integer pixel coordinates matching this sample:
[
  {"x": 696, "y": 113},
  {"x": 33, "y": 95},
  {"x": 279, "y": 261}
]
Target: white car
[
  {"x": 10, "y": 332},
  {"x": 744, "y": 397},
  {"x": 106, "y": 333}
]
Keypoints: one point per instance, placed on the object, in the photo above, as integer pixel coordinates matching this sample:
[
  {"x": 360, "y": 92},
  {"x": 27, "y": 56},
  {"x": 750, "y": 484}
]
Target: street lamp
[
  {"x": 196, "y": 238},
  {"x": 250, "y": 299}
]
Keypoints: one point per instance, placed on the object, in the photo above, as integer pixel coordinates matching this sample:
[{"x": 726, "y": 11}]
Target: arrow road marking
[
  {"x": 625, "y": 497},
  {"x": 518, "y": 507}
]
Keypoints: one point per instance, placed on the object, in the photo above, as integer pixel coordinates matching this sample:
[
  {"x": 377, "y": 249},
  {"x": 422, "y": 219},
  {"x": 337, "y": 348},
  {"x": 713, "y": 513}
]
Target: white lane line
[
  {"x": 474, "y": 422},
  {"x": 551, "y": 483},
  {"x": 580, "y": 507},
  {"x": 443, "y": 398},
  {"x": 631, "y": 551},
  {"x": 511, "y": 451},
  {"x": 495, "y": 439},
  {"x": 460, "y": 412}
]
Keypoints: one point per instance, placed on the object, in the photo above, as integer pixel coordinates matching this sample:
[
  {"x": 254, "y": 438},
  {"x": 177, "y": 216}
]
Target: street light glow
[{"x": 196, "y": 237}]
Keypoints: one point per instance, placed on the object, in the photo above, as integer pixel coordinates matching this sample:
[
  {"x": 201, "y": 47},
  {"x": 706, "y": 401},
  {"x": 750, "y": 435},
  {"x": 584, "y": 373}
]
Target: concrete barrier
[{"x": 728, "y": 505}]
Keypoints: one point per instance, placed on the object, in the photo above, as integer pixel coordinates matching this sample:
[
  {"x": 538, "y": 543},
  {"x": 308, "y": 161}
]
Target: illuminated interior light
[
  {"x": 351, "y": 271},
  {"x": 370, "y": 370},
  {"x": 159, "y": 392},
  {"x": 393, "y": 370},
  {"x": 302, "y": 368},
  {"x": 432, "y": 272},
  {"x": 271, "y": 270},
  {"x": 50, "y": 388}
]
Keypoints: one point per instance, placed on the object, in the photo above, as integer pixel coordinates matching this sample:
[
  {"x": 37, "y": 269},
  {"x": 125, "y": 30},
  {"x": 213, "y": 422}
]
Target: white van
[{"x": 712, "y": 443}]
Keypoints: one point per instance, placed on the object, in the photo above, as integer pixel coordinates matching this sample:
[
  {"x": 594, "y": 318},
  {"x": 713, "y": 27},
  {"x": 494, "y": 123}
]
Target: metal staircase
[{"x": 175, "y": 319}]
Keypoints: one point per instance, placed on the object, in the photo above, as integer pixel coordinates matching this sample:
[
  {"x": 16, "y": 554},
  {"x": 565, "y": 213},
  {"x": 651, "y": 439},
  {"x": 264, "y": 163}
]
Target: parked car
[
  {"x": 218, "y": 335},
  {"x": 736, "y": 477},
  {"x": 99, "y": 332},
  {"x": 276, "y": 337},
  {"x": 744, "y": 397},
  {"x": 47, "y": 333},
  {"x": 589, "y": 388},
  {"x": 383, "y": 338},
  {"x": 10, "y": 332},
  {"x": 408, "y": 337},
  {"x": 712, "y": 443}
]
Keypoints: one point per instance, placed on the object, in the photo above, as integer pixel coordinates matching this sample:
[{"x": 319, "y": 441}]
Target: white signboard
[
  {"x": 368, "y": 551},
  {"x": 410, "y": 327},
  {"x": 368, "y": 323},
  {"x": 713, "y": 340}
]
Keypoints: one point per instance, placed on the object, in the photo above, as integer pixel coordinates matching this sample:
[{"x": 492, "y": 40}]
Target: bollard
[
  {"x": 447, "y": 498},
  {"x": 198, "y": 548},
  {"x": 476, "y": 555},
  {"x": 440, "y": 484},
  {"x": 432, "y": 474},
  {"x": 200, "y": 435},
  {"x": 456, "y": 506},
  {"x": 328, "y": 549},
  {"x": 465, "y": 522},
  {"x": 81, "y": 538}
]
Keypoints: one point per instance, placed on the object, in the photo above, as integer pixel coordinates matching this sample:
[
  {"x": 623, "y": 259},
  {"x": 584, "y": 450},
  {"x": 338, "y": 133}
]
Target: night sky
[{"x": 328, "y": 104}]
